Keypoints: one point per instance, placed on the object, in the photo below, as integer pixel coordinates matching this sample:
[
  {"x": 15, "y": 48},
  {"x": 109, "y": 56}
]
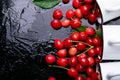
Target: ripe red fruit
[
  {"x": 83, "y": 36},
  {"x": 70, "y": 14},
  {"x": 89, "y": 71},
  {"x": 97, "y": 60},
  {"x": 91, "y": 61},
  {"x": 83, "y": 62},
  {"x": 73, "y": 61},
  {"x": 80, "y": 46},
  {"x": 65, "y": 23},
  {"x": 72, "y": 51},
  {"x": 50, "y": 59},
  {"x": 75, "y": 36},
  {"x": 95, "y": 76},
  {"x": 75, "y": 23},
  {"x": 80, "y": 68},
  {"x": 89, "y": 41},
  {"x": 88, "y": 1},
  {"x": 65, "y": 1},
  {"x": 88, "y": 78},
  {"x": 99, "y": 50},
  {"x": 76, "y": 3},
  {"x": 56, "y": 24},
  {"x": 80, "y": 78},
  {"x": 62, "y": 53},
  {"x": 78, "y": 13},
  {"x": 83, "y": 55},
  {"x": 92, "y": 18},
  {"x": 72, "y": 72},
  {"x": 97, "y": 12},
  {"x": 67, "y": 43},
  {"x": 92, "y": 52},
  {"x": 85, "y": 10},
  {"x": 62, "y": 62},
  {"x": 58, "y": 44},
  {"x": 57, "y": 14},
  {"x": 90, "y": 31},
  {"x": 51, "y": 78},
  {"x": 96, "y": 41}
]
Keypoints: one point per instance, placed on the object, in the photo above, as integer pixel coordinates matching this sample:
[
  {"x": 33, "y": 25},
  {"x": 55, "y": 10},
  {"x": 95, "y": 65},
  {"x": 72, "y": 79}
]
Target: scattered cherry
[
  {"x": 70, "y": 14},
  {"x": 76, "y": 3},
  {"x": 51, "y": 78},
  {"x": 62, "y": 53},
  {"x": 63, "y": 62},
  {"x": 72, "y": 72},
  {"x": 75, "y": 36},
  {"x": 90, "y": 31},
  {"x": 50, "y": 59},
  {"x": 65, "y": 1},
  {"x": 56, "y": 24},
  {"x": 72, "y": 51},
  {"x": 57, "y": 14},
  {"x": 65, "y": 23}
]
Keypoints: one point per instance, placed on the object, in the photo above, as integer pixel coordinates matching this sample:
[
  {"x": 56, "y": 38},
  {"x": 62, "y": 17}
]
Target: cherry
[
  {"x": 50, "y": 59},
  {"x": 89, "y": 41},
  {"x": 88, "y": 78},
  {"x": 57, "y": 14},
  {"x": 76, "y": 3},
  {"x": 70, "y": 14},
  {"x": 78, "y": 13},
  {"x": 91, "y": 61},
  {"x": 75, "y": 23},
  {"x": 67, "y": 43},
  {"x": 80, "y": 68},
  {"x": 72, "y": 51},
  {"x": 62, "y": 53},
  {"x": 51, "y": 78},
  {"x": 95, "y": 76},
  {"x": 89, "y": 71},
  {"x": 96, "y": 41},
  {"x": 56, "y": 24},
  {"x": 73, "y": 61},
  {"x": 62, "y": 62},
  {"x": 80, "y": 46},
  {"x": 75, "y": 36},
  {"x": 65, "y": 23},
  {"x": 85, "y": 10},
  {"x": 99, "y": 50},
  {"x": 72, "y": 72},
  {"x": 92, "y": 18},
  {"x": 83, "y": 62},
  {"x": 79, "y": 78},
  {"x": 97, "y": 12},
  {"x": 83, "y": 55},
  {"x": 92, "y": 52},
  {"x": 97, "y": 60},
  {"x": 65, "y": 1},
  {"x": 90, "y": 31},
  {"x": 58, "y": 44},
  {"x": 83, "y": 36},
  {"x": 88, "y": 1}
]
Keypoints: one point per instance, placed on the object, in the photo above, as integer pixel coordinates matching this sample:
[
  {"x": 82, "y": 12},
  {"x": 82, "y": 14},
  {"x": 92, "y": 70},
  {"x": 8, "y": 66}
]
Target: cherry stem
[{"x": 58, "y": 67}]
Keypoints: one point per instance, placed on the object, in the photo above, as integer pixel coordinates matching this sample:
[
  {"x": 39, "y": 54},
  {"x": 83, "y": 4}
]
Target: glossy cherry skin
[
  {"x": 58, "y": 44},
  {"x": 91, "y": 61},
  {"x": 90, "y": 31},
  {"x": 80, "y": 68},
  {"x": 99, "y": 50},
  {"x": 83, "y": 62},
  {"x": 80, "y": 78},
  {"x": 72, "y": 72},
  {"x": 83, "y": 55},
  {"x": 75, "y": 36},
  {"x": 66, "y": 23},
  {"x": 57, "y": 14},
  {"x": 95, "y": 76},
  {"x": 62, "y": 53},
  {"x": 78, "y": 13},
  {"x": 76, "y": 3},
  {"x": 56, "y": 24},
  {"x": 85, "y": 10},
  {"x": 89, "y": 71},
  {"x": 51, "y": 78},
  {"x": 67, "y": 43},
  {"x": 92, "y": 18},
  {"x": 88, "y": 1},
  {"x": 92, "y": 52},
  {"x": 72, "y": 51},
  {"x": 50, "y": 59},
  {"x": 80, "y": 46},
  {"x": 75, "y": 23},
  {"x": 73, "y": 61},
  {"x": 83, "y": 36},
  {"x": 70, "y": 14},
  {"x": 63, "y": 62},
  {"x": 96, "y": 41},
  {"x": 89, "y": 41},
  {"x": 88, "y": 78},
  {"x": 65, "y": 1}
]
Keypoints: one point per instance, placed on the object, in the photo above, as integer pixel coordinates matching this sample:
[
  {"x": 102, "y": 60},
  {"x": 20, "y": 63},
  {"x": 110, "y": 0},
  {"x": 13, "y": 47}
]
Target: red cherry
[
  {"x": 88, "y": 1},
  {"x": 90, "y": 31},
  {"x": 83, "y": 55},
  {"x": 75, "y": 23},
  {"x": 51, "y": 78},
  {"x": 91, "y": 61},
  {"x": 97, "y": 60},
  {"x": 76, "y": 3},
  {"x": 78, "y": 13},
  {"x": 95, "y": 76},
  {"x": 89, "y": 41},
  {"x": 79, "y": 78},
  {"x": 80, "y": 46},
  {"x": 92, "y": 18},
  {"x": 62, "y": 53},
  {"x": 58, "y": 44},
  {"x": 92, "y": 52},
  {"x": 85, "y": 10},
  {"x": 90, "y": 70},
  {"x": 80, "y": 68},
  {"x": 97, "y": 12},
  {"x": 75, "y": 36},
  {"x": 88, "y": 78},
  {"x": 72, "y": 72},
  {"x": 56, "y": 24},
  {"x": 70, "y": 14},
  {"x": 67, "y": 43},
  {"x": 50, "y": 59},
  {"x": 57, "y": 14},
  {"x": 96, "y": 41},
  {"x": 84, "y": 62},
  {"x": 99, "y": 50},
  {"x": 65, "y": 23},
  {"x": 83, "y": 36},
  {"x": 72, "y": 51},
  {"x": 65, "y": 1},
  {"x": 62, "y": 62},
  {"x": 73, "y": 61}
]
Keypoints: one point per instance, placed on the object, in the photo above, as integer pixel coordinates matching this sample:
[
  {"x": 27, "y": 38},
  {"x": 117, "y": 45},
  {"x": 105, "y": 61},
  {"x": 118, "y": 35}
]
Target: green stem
[{"x": 58, "y": 67}]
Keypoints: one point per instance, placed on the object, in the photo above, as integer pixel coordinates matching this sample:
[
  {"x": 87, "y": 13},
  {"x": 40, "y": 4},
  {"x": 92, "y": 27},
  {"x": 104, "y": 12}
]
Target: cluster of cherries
[{"x": 87, "y": 9}]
